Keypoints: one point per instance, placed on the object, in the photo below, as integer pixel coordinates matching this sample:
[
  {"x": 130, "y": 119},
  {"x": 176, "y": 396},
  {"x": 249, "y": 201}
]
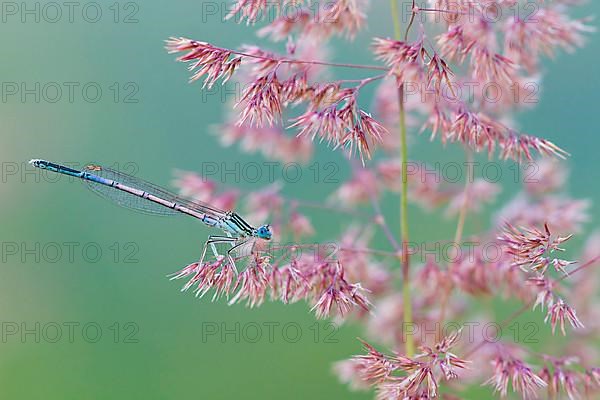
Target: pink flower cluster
[
  {"x": 337, "y": 17},
  {"x": 531, "y": 247},
  {"x": 292, "y": 99},
  {"x": 331, "y": 114},
  {"x": 321, "y": 283},
  {"x": 510, "y": 369},
  {"x": 399, "y": 377}
]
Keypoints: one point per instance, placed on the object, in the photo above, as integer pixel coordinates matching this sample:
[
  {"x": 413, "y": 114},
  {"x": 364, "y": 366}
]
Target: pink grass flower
[
  {"x": 531, "y": 247},
  {"x": 481, "y": 133},
  {"x": 252, "y": 283},
  {"x": 261, "y": 102},
  {"x": 509, "y": 369},
  {"x": 374, "y": 367},
  {"x": 560, "y": 312},
  {"x": 545, "y": 296},
  {"x": 455, "y": 44},
  {"x": 333, "y": 293},
  {"x": 251, "y": 10},
  {"x": 492, "y": 67},
  {"x": 212, "y": 62},
  {"x": 562, "y": 376},
  {"x": 592, "y": 380},
  {"x": 341, "y": 123},
  {"x": 321, "y": 282},
  {"x": 218, "y": 274},
  {"x": 289, "y": 284},
  {"x": 407, "y": 61},
  {"x": 403, "y": 377}
]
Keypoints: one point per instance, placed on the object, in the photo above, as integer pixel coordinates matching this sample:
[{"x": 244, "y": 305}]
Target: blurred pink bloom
[
  {"x": 282, "y": 26},
  {"x": 561, "y": 213},
  {"x": 300, "y": 225},
  {"x": 478, "y": 193},
  {"x": 341, "y": 16},
  {"x": 337, "y": 17},
  {"x": 387, "y": 110},
  {"x": 586, "y": 284},
  {"x": 271, "y": 141},
  {"x": 548, "y": 176},
  {"x": 525, "y": 41},
  {"x": 361, "y": 266},
  {"x": 349, "y": 372},
  {"x": 264, "y": 202},
  {"x": 386, "y": 324},
  {"x": 194, "y": 186},
  {"x": 359, "y": 189},
  {"x": 198, "y": 188},
  {"x": 226, "y": 200}
]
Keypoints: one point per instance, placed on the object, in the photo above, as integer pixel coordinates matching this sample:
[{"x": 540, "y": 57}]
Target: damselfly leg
[
  {"x": 238, "y": 246},
  {"x": 213, "y": 241}
]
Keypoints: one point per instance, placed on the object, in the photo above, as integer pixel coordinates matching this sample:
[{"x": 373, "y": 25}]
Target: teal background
[{"x": 168, "y": 129}]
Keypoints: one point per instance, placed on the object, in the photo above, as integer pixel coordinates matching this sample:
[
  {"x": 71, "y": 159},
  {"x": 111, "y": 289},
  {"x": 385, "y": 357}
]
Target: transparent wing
[{"x": 140, "y": 204}]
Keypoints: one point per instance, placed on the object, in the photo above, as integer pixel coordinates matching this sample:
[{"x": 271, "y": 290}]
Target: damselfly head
[
  {"x": 38, "y": 163},
  {"x": 264, "y": 232}
]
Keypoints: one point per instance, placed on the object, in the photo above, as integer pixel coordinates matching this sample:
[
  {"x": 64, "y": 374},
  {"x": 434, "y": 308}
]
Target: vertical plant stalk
[
  {"x": 465, "y": 206},
  {"x": 405, "y": 258}
]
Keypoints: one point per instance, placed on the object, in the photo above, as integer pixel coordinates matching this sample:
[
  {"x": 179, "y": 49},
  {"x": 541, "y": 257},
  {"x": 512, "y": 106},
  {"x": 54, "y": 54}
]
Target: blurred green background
[{"x": 151, "y": 344}]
